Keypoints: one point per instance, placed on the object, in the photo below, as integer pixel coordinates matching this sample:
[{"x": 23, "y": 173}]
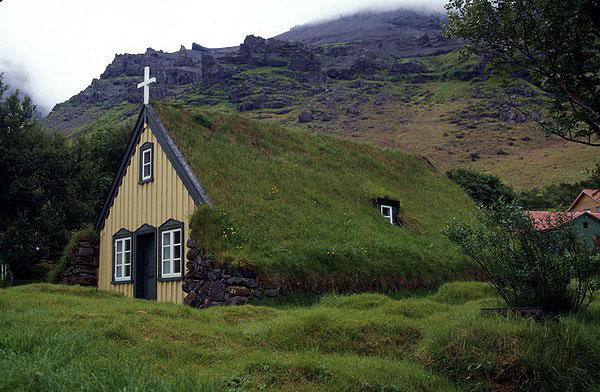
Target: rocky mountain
[
  {"x": 389, "y": 78},
  {"x": 398, "y": 33},
  {"x": 306, "y": 57}
]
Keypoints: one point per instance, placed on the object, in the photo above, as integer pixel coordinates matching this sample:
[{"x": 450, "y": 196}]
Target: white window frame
[
  {"x": 148, "y": 163},
  {"x": 390, "y": 217},
  {"x": 172, "y": 260},
  {"x": 124, "y": 252},
  {"x": 3, "y": 271}
]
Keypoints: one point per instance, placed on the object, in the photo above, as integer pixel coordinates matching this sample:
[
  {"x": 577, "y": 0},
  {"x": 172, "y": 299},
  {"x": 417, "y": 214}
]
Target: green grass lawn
[
  {"x": 57, "y": 338},
  {"x": 299, "y": 205}
]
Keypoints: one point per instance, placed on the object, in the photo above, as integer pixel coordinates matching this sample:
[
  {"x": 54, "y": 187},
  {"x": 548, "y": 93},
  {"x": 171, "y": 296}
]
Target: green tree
[
  {"x": 35, "y": 193},
  {"x": 485, "y": 189},
  {"x": 49, "y": 185},
  {"x": 97, "y": 155},
  {"x": 556, "y": 42}
]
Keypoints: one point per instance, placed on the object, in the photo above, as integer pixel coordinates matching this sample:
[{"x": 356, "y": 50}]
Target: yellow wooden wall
[
  {"x": 585, "y": 203},
  {"x": 152, "y": 203}
]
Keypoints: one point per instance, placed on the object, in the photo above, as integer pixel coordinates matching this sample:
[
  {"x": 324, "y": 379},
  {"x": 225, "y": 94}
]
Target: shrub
[
  {"x": 483, "y": 188},
  {"x": 530, "y": 267}
]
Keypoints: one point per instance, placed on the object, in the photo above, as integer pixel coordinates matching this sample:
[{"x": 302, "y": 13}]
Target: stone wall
[
  {"x": 208, "y": 284},
  {"x": 82, "y": 268}
]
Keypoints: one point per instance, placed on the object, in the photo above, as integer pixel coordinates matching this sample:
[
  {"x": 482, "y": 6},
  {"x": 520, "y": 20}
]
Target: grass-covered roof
[{"x": 297, "y": 206}]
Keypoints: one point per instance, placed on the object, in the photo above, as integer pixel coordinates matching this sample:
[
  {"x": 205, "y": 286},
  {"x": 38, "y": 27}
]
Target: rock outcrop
[{"x": 267, "y": 74}]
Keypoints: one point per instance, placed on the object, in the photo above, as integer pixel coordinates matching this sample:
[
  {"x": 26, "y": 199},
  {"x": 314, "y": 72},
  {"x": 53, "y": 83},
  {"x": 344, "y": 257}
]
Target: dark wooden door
[{"x": 145, "y": 279}]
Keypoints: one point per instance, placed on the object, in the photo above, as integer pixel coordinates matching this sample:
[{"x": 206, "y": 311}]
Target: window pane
[
  {"x": 166, "y": 265},
  {"x": 146, "y": 171},
  {"x": 119, "y": 245},
  {"x": 127, "y": 270},
  {"x": 127, "y": 244},
  {"x": 146, "y": 156},
  {"x": 177, "y": 266},
  {"x": 119, "y": 260},
  {"x": 166, "y": 253},
  {"x": 386, "y": 211},
  {"x": 177, "y": 252},
  {"x": 119, "y": 271},
  {"x": 166, "y": 239},
  {"x": 128, "y": 258},
  {"x": 177, "y": 235}
]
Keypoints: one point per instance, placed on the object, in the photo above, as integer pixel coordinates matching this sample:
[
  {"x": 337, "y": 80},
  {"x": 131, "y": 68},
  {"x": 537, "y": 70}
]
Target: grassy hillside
[
  {"x": 57, "y": 338},
  {"x": 453, "y": 122},
  {"x": 298, "y": 205}
]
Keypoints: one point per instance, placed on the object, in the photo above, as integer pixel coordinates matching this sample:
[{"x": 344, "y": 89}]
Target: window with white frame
[
  {"x": 171, "y": 253},
  {"x": 387, "y": 212},
  {"x": 122, "y": 259},
  {"x": 3, "y": 271},
  {"x": 146, "y": 164}
]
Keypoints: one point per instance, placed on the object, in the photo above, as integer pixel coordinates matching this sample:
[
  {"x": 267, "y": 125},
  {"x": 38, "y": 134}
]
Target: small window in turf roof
[
  {"x": 388, "y": 208},
  {"x": 387, "y": 212}
]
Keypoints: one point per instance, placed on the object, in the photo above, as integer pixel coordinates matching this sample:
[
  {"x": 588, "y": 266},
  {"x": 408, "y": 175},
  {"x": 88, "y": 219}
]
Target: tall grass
[{"x": 70, "y": 338}]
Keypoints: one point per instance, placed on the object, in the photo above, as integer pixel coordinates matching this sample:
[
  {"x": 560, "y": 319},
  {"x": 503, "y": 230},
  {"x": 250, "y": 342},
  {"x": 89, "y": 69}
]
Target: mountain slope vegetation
[{"x": 390, "y": 79}]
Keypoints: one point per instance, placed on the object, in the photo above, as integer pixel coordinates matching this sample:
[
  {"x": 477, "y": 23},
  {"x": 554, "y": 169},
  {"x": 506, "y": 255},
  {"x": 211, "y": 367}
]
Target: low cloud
[{"x": 16, "y": 77}]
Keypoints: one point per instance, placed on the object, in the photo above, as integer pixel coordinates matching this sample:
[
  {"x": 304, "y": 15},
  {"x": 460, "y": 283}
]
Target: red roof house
[{"x": 587, "y": 200}]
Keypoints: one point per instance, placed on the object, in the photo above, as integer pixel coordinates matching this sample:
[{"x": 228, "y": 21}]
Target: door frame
[{"x": 143, "y": 230}]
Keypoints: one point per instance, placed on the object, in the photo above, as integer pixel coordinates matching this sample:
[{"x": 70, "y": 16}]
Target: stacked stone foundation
[
  {"x": 208, "y": 284},
  {"x": 83, "y": 264}
]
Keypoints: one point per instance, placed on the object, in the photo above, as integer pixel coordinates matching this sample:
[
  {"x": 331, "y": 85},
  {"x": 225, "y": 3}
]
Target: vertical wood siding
[
  {"x": 585, "y": 203},
  {"x": 152, "y": 203}
]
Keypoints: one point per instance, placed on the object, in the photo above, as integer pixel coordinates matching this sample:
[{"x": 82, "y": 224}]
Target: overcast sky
[{"x": 53, "y": 49}]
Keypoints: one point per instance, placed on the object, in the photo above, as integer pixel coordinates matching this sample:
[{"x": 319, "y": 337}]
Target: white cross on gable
[{"x": 146, "y": 85}]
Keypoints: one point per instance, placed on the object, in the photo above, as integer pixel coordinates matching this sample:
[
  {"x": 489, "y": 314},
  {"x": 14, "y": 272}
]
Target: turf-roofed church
[
  {"x": 289, "y": 211},
  {"x": 144, "y": 218},
  {"x": 143, "y": 224}
]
